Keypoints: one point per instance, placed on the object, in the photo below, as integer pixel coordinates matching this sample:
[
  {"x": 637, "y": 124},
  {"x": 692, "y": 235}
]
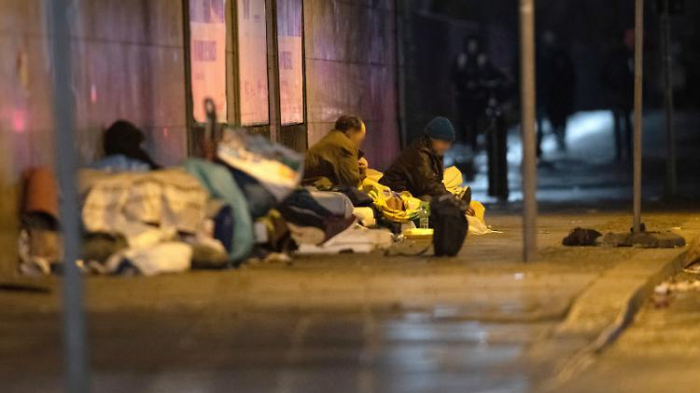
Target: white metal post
[{"x": 75, "y": 363}]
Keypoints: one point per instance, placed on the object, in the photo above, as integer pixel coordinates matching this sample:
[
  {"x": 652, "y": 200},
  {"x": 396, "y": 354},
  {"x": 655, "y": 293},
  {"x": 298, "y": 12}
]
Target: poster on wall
[
  {"x": 289, "y": 28},
  {"x": 291, "y": 80},
  {"x": 252, "y": 62},
  {"x": 208, "y": 56}
]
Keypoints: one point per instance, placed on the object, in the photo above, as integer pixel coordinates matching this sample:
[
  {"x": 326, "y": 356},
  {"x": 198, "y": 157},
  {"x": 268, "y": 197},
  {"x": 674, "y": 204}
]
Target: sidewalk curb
[
  {"x": 636, "y": 301},
  {"x": 586, "y": 356}
]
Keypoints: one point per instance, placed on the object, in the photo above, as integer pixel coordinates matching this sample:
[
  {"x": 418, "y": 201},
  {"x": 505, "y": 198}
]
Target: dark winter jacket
[
  {"x": 617, "y": 77},
  {"x": 124, "y": 138},
  {"x": 332, "y": 162},
  {"x": 418, "y": 170}
]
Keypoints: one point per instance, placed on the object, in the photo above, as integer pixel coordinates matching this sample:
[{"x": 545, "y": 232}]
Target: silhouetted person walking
[
  {"x": 617, "y": 78},
  {"x": 556, "y": 87},
  {"x": 471, "y": 97}
]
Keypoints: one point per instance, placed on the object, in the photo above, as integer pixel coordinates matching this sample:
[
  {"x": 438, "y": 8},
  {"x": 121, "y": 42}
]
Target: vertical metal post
[
  {"x": 671, "y": 179},
  {"x": 638, "y": 118},
  {"x": 273, "y": 71},
  {"x": 529, "y": 165},
  {"x": 400, "y": 12},
  {"x": 76, "y": 364}
]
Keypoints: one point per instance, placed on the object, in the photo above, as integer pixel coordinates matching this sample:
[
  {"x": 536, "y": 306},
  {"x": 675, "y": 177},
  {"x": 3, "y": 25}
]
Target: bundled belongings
[
  {"x": 454, "y": 184},
  {"x": 403, "y": 207},
  {"x": 355, "y": 239},
  {"x": 335, "y": 202},
  {"x": 309, "y": 221},
  {"x": 168, "y": 200},
  {"x": 144, "y": 218},
  {"x": 277, "y": 168},
  {"x": 219, "y": 183},
  {"x": 394, "y": 207},
  {"x": 448, "y": 216},
  {"x": 168, "y": 257},
  {"x": 582, "y": 237},
  {"x": 39, "y": 239}
]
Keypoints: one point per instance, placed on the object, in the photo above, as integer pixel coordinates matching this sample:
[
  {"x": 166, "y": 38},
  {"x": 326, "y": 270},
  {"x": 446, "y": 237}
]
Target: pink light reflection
[
  {"x": 19, "y": 121},
  {"x": 93, "y": 94}
]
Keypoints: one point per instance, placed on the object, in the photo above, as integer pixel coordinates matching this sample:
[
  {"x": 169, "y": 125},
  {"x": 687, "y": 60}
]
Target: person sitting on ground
[
  {"x": 124, "y": 138},
  {"x": 336, "y": 161},
  {"x": 419, "y": 169}
]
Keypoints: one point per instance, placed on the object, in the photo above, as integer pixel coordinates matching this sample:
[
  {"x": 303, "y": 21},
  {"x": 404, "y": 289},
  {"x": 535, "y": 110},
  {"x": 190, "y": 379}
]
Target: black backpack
[{"x": 447, "y": 216}]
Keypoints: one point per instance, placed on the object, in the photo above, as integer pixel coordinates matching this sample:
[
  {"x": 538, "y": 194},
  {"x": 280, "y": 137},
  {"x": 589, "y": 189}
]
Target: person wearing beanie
[{"x": 419, "y": 169}]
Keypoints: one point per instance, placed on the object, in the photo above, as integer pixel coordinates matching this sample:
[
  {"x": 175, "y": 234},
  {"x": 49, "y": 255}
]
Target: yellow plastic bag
[{"x": 388, "y": 203}]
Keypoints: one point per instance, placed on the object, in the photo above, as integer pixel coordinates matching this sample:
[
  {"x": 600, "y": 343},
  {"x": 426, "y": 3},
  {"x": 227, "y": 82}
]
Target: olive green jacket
[{"x": 332, "y": 162}]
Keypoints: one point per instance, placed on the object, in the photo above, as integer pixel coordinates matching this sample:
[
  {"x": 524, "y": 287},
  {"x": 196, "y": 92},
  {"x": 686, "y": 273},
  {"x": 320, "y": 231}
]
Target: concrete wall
[
  {"x": 128, "y": 60},
  {"x": 129, "y": 63},
  {"x": 351, "y": 69}
]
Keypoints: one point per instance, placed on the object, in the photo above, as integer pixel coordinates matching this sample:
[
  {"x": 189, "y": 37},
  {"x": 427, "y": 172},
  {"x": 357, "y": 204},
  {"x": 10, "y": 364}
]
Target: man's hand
[
  {"x": 362, "y": 162},
  {"x": 471, "y": 212}
]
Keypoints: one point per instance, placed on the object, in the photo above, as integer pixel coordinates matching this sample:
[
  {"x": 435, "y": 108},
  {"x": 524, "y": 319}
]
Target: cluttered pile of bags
[
  {"x": 242, "y": 202},
  {"x": 140, "y": 218}
]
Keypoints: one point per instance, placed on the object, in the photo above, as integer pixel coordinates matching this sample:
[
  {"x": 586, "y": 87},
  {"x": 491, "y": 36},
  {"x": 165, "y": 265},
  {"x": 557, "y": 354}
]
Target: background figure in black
[
  {"x": 471, "y": 99},
  {"x": 617, "y": 77},
  {"x": 498, "y": 90},
  {"x": 556, "y": 87}
]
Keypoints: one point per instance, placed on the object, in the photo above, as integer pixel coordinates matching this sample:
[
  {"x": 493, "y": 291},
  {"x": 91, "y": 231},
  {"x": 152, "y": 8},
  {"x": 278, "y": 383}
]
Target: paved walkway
[
  {"x": 482, "y": 321},
  {"x": 659, "y": 352}
]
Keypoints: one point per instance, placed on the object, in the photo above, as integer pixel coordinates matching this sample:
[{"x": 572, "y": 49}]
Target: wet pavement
[
  {"x": 342, "y": 324},
  {"x": 659, "y": 352},
  {"x": 376, "y": 324},
  {"x": 319, "y": 352}
]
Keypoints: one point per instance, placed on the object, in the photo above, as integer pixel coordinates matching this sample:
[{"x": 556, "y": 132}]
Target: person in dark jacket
[
  {"x": 419, "y": 168},
  {"x": 336, "y": 160},
  {"x": 556, "y": 87},
  {"x": 124, "y": 138},
  {"x": 617, "y": 78},
  {"x": 470, "y": 96}
]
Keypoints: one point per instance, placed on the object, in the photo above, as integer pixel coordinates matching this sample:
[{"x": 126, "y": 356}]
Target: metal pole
[
  {"x": 638, "y": 119},
  {"x": 273, "y": 71},
  {"x": 671, "y": 179},
  {"x": 400, "y": 17},
  {"x": 76, "y": 364},
  {"x": 529, "y": 166}
]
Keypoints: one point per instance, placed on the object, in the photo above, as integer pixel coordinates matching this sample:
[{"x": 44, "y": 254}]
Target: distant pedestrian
[
  {"x": 471, "y": 98},
  {"x": 556, "y": 88},
  {"x": 498, "y": 88},
  {"x": 617, "y": 78}
]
